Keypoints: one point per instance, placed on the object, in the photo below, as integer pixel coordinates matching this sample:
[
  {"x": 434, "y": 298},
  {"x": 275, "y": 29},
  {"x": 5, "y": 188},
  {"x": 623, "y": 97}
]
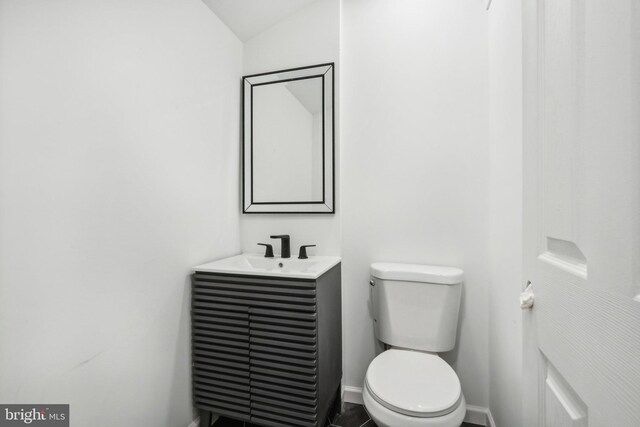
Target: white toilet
[{"x": 415, "y": 311}]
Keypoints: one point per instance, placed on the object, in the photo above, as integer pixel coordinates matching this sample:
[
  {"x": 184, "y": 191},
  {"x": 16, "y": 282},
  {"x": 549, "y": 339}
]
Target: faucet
[{"x": 286, "y": 245}]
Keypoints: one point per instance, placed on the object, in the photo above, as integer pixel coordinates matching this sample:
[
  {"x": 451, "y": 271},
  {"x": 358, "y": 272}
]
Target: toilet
[{"x": 415, "y": 309}]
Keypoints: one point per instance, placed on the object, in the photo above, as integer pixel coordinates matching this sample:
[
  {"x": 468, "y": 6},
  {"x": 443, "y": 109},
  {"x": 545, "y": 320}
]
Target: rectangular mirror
[{"x": 288, "y": 141}]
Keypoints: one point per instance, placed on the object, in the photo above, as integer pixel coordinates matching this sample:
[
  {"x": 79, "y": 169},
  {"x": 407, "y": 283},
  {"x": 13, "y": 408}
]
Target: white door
[{"x": 582, "y": 212}]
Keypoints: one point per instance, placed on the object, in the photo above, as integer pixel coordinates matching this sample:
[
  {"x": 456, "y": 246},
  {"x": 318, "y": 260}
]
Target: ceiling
[{"x": 247, "y": 18}]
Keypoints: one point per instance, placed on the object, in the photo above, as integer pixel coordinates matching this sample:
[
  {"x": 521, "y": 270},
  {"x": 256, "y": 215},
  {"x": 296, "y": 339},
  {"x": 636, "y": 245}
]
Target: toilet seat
[
  {"x": 384, "y": 417},
  {"x": 413, "y": 383}
]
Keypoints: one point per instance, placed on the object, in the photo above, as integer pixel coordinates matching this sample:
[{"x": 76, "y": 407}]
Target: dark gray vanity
[{"x": 266, "y": 348}]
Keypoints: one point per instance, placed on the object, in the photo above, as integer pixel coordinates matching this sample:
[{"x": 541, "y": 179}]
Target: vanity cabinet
[{"x": 267, "y": 350}]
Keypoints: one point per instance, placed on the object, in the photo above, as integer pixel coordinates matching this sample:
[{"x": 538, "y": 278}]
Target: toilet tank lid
[{"x": 417, "y": 273}]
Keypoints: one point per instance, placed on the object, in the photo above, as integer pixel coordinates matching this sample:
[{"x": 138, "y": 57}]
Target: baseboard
[
  {"x": 490, "y": 421},
  {"x": 476, "y": 415},
  {"x": 196, "y": 422},
  {"x": 479, "y": 415},
  {"x": 352, "y": 394}
]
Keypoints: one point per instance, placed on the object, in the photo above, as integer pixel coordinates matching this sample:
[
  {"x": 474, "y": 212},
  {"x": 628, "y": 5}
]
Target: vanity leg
[
  {"x": 335, "y": 409},
  {"x": 205, "y": 418}
]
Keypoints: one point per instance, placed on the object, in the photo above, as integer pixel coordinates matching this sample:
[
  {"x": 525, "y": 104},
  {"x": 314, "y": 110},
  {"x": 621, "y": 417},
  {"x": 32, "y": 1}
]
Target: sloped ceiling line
[{"x": 248, "y": 18}]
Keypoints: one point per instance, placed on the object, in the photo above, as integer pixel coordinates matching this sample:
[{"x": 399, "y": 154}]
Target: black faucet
[
  {"x": 286, "y": 245},
  {"x": 268, "y": 253},
  {"x": 303, "y": 251}
]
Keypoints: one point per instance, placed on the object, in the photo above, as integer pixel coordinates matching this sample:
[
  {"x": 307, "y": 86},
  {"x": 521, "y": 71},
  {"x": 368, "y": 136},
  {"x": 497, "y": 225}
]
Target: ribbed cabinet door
[
  {"x": 284, "y": 371},
  {"x": 220, "y": 351},
  {"x": 255, "y": 348}
]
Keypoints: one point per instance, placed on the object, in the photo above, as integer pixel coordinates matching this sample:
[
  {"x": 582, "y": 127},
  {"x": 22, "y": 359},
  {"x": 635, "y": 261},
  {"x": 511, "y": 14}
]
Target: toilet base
[{"x": 384, "y": 417}]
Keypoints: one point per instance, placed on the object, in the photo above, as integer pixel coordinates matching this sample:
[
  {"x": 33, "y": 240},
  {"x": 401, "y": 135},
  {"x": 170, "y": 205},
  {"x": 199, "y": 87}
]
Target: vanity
[
  {"x": 267, "y": 339},
  {"x": 267, "y": 331}
]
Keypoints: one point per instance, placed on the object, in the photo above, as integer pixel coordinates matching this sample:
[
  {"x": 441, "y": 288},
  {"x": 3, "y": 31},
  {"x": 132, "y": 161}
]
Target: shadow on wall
[
  {"x": 451, "y": 357},
  {"x": 181, "y": 378}
]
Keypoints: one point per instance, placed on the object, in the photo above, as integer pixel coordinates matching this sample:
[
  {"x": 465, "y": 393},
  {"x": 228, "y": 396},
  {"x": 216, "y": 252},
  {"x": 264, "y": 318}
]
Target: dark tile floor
[{"x": 351, "y": 416}]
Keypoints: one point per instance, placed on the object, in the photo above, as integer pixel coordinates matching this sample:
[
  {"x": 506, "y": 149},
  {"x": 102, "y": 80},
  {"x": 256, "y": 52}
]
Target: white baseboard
[
  {"x": 475, "y": 414},
  {"x": 490, "y": 421},
  {"x": 479, "y": 415},
  {"x": 196, "y": 422},
  {"x": 352, "y": 394}
]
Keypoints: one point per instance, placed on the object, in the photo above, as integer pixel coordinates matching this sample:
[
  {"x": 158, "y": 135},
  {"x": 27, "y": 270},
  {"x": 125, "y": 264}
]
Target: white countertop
[{"x": 257, "y": 265}]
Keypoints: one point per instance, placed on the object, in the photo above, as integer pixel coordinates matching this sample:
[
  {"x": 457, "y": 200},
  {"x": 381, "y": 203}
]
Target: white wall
[
  {"x": 279, "y": 116},
  {"x": 505, "y": 326},
  {"x": 415, "y": 155},
  {"x": 310, "y": 36},
  {"x": 118, "y": 171}
]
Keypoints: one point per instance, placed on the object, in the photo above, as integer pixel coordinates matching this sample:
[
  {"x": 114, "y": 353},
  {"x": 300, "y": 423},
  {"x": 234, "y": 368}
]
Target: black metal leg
[{"x": 205, "y": 418}]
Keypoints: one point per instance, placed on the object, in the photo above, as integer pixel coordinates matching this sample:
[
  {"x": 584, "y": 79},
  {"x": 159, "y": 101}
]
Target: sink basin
[{"x": 258, "y": 265}]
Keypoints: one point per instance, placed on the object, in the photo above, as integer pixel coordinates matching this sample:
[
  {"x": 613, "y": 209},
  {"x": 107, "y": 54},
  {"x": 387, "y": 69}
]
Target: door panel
[
  {"x": 561, "y": 43},
  {"x": 582, "y": 222},
  {"x": 563, "y": 408}
]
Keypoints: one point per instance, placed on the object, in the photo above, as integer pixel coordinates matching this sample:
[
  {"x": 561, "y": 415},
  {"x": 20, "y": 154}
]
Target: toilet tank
[{"x": 416, "y": 306}]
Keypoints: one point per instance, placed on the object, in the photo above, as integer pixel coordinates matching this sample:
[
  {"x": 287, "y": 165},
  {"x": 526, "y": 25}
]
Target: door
[{"x": 582, "y": 212}]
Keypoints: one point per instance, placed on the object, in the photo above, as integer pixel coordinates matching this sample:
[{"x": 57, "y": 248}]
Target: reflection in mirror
[
  {"x": 289, "y": 113},
  {"x": 288, "y": 141}
]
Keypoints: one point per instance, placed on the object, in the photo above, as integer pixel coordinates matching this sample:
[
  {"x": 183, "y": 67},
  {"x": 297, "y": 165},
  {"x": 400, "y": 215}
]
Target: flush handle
[{"x": 372, "y": 283}]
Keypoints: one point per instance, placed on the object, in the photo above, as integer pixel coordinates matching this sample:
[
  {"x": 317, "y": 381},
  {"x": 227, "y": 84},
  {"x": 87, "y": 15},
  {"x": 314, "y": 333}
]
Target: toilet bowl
[
  {"x": 405, "y": 388},
  {"x": 415, "y": 310}
]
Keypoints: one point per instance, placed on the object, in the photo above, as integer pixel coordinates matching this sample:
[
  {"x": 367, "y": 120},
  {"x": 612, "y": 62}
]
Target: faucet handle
[
  {"x": 303, "y": 251},
  {"x": 268, "y": 253}
]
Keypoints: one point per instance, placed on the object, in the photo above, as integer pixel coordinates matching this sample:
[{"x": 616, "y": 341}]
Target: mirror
[{"x": 288, "y": 141}]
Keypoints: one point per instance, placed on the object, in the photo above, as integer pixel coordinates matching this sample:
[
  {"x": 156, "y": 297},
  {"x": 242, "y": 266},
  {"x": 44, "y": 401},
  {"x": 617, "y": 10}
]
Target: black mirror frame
[{"x": 327, "y": 204}]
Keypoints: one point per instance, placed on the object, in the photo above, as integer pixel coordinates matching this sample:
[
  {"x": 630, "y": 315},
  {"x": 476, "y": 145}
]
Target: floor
[{"x": 352, "y": 416}]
